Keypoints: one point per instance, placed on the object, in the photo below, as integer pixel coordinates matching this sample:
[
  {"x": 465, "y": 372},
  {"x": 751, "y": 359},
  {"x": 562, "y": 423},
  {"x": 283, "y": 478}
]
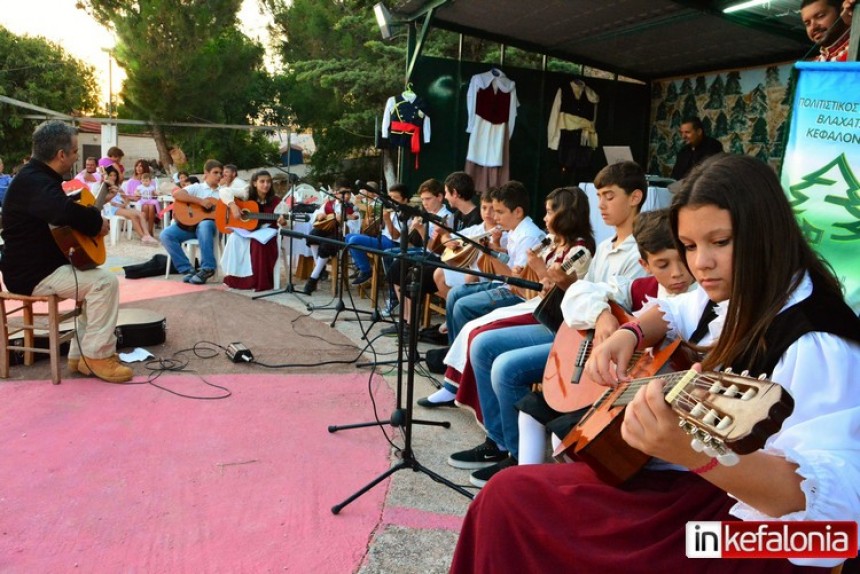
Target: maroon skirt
[
  {"x": 562, "y": 518},
  {"x": 263, "y": 259}
]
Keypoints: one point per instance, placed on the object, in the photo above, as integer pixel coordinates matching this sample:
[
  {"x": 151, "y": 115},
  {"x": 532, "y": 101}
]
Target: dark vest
[{"x": 820, "y": 312}]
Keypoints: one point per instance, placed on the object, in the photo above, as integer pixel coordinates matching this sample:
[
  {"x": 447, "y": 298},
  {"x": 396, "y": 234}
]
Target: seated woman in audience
[
  {"x": 780, "y": 312},
  {"x": 119, "y": 205},
  {"x": 248, "y": 263}
]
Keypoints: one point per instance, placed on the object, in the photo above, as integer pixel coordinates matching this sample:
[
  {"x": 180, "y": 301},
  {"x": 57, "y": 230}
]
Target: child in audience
[
  {"x": 146, "y": 196},
  {"x": 119, "y": 205},
  {"x": 780, "y": 313}
]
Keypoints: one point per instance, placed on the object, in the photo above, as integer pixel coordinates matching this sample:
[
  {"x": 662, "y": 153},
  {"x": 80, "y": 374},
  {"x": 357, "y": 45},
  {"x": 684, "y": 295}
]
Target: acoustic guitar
[
  {"x": 83, "y": 251},
  {"x": 250, "y": 215},
  {"x": 190, "y": 214},
  {"x": 726, "y": 414},
  {"x": 566, "y": 387}
]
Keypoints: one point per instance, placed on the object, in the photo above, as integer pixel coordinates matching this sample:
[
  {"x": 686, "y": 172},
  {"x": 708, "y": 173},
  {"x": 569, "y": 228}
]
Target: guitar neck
[{"x": 261, "y": 216}]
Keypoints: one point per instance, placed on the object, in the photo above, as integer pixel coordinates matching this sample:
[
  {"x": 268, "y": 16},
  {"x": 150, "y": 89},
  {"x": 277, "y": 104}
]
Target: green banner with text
[{"x": 822, "y": 164}]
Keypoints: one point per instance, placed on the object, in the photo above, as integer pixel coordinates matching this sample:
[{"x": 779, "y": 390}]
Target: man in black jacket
[
  {"x": 33, "y": 263},
  {"x": 699, "y": 146}
]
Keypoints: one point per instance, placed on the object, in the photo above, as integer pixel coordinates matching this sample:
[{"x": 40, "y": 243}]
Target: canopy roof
[{"x": 642, "y": 39}]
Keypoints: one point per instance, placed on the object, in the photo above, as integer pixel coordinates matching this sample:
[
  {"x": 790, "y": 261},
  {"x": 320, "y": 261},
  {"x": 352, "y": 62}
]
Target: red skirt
[
  {"x": 562, "y": 518},
  {"x": 263, "y": 259}
]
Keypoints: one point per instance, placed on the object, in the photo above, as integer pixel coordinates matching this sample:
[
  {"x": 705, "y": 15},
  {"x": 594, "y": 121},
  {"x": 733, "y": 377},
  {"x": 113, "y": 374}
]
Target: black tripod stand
[
  {"x": 402, "y": 417},
  {"x": 340, "y": 263}
]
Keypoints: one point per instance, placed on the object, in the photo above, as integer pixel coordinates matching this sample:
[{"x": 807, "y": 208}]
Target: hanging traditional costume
[
  {"x": 491, "y": 104},
  {"x": 405, "y": 121},
  {"x": 571, "y": 129}
]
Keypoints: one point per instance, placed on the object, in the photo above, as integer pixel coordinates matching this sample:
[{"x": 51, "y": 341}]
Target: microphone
[{"x": 503, "y": 257}]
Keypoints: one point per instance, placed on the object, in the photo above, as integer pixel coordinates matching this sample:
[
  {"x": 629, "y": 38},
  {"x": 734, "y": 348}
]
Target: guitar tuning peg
[
  {"x": 697, "y": 445},
  {"x": 728, "y": 370},
  {"x": 762, "y": 377},
  {"x": 710, "y": 451},
  {"x": 745, "y": 373},
  {"x": 728, "y": 458}
]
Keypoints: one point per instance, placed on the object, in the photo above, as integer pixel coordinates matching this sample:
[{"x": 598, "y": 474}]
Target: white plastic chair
[{"x": 190, "y": 247}]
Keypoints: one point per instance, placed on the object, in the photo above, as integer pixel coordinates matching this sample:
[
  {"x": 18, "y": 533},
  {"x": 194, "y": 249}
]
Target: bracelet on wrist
[
  {"x": 710, "y": 465},
  {"x": 636, "y": 329}
]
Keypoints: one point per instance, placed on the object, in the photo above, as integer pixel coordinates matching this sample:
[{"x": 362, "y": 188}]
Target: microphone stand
[
  {"x": 342, "y": 275},
  {"x": 403, "y": 414},
  {"x": 289, "y": 287}
]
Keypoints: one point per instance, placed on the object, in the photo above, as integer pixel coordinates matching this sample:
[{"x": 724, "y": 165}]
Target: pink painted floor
[{"x": 108, "y": 478}]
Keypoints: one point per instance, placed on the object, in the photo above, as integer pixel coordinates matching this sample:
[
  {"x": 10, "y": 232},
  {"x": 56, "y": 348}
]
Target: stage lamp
[
  {"x": 388, "y": 27},
  {"x": 745, "y": 6}
]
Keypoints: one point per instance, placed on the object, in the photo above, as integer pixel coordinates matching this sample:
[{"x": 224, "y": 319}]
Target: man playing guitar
[{"x": 33, "y": 264}]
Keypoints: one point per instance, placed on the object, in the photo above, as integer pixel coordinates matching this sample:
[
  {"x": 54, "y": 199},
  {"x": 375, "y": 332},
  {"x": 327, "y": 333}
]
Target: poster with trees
[{"x": 745, "y": 109}]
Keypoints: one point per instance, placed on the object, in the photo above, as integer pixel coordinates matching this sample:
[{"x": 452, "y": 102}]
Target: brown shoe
[{"x": 109, "y": 369}]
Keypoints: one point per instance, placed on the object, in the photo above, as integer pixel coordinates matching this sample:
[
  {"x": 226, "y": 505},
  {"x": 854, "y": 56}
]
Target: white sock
[
  {"x": 532, "y": 440},
  {"x": 318, "y": 268},
  {"x": 441, "y": 396}
]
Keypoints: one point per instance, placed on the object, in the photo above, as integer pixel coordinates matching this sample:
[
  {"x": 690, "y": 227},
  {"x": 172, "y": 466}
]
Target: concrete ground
[{"x": 421, "y": 517}]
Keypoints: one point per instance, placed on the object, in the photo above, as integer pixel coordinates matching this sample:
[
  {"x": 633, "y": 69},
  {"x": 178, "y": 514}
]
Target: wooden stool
[
  {"x": 432, "y": 302},
  {"x": 304, "y": 266},
  {"x": 376, "y": 266},
  {"x": 29, "y": 322}
]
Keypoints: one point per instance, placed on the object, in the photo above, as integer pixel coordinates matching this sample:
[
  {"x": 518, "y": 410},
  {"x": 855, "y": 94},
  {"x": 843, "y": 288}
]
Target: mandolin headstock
[{"x": 729, "y": 414}]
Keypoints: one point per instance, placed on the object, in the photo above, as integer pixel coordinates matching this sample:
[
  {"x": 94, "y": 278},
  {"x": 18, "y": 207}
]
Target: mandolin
[
  {"x": 250, "y": 215},
  {"x": 726, "y": 414},
  {"x": 83, "y": 251},
  {"x": 327, "y": 224}
]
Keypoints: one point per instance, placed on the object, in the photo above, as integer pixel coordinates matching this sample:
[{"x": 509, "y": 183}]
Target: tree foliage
[
  {"x": 39, "y": 72},
  {"x": 187, "y": 61}
]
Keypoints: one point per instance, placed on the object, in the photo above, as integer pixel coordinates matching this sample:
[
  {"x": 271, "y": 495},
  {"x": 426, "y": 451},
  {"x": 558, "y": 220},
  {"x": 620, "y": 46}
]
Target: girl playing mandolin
[
  {"x": 248, "y": 263},
  {"x": 782, "y": 314}
]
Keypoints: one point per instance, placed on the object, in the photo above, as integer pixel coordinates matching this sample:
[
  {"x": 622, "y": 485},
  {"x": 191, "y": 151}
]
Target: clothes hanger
[
  {"x": 408, "y": 91},
  {"x": 495, "y": 71}
]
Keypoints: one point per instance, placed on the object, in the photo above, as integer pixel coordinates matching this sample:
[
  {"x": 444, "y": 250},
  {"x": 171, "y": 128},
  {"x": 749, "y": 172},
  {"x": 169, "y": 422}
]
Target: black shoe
[
  {"x": 391, "y": 331},
  {"x": 432, "y": 336},
  {"x": 486, "y": 454},
  {"x": 428, "y": 404},
  {"x": 435, "y": 359},
  {"x": 324, "y": 275},
  {"x": 362, "y": 278},
  {"x": 480, "y": 477},
  {"x": 310, "y": 286},
  {"x": 201, "y": 276}
]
